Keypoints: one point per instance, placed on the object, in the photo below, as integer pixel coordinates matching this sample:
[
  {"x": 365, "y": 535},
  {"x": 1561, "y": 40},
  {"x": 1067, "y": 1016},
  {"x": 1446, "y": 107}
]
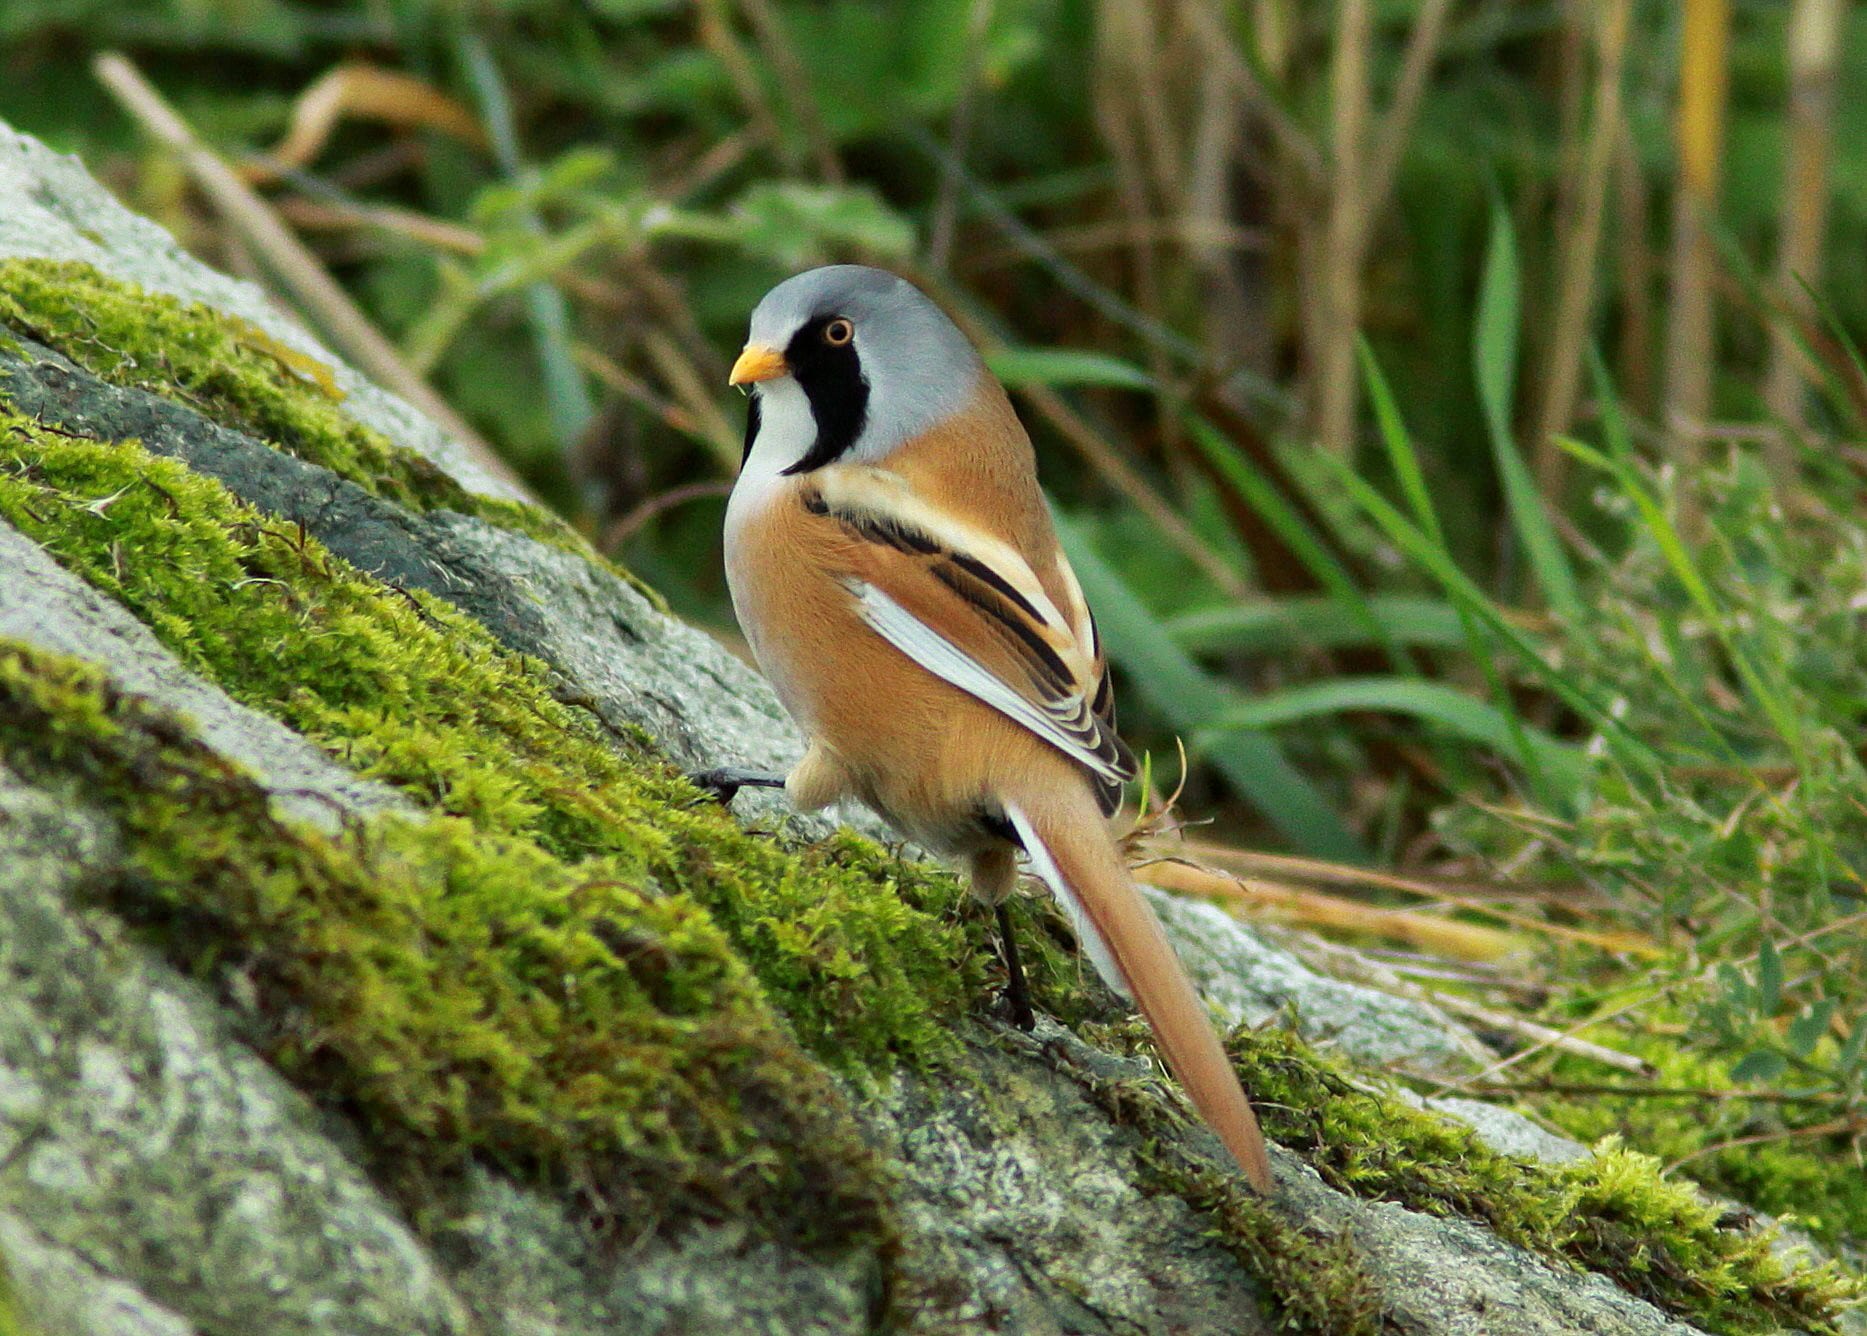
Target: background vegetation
[{"x": 1450, "y": 404}]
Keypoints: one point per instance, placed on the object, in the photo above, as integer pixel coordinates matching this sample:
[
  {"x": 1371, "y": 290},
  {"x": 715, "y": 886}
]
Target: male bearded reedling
[{"x": 894, "y": 567}]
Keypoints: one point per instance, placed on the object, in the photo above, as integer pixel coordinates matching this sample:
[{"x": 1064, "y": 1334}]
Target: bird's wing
[{"x": 968, "y": 608}]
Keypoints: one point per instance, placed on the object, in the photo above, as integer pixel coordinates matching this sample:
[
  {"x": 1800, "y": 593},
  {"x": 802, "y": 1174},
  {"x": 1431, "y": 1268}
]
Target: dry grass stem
[
  {"x": 1815, "y": 29},
  {"x": 1691, "y": 342},
  {"x": 361, "y": 91},
  {"x": 1580, "y": 247},
  {"x": 294, "y": 267},
  {"x": 1338, "y": 278}
]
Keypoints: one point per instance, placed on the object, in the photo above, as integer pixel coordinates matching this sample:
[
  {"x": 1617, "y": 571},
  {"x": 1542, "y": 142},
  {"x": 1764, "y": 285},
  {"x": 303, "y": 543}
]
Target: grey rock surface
[
  {"x": 1249, "y": 979},
  {"x": 153, "y": 1172},
  {"x": 156, "y": 1176},
  {"x": 55, "y": 210}
]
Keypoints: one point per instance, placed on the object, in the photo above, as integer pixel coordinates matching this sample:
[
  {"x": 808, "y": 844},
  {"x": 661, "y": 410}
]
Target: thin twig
[
  {"x": 1855, "y": 1123},
  {"x": 625, "y": 526},
  {"x": 795, "y": 80},
  {"x": 1541, "y": 1034},
  {"x": 1074, "y": 281},
  {"x": 1545, "y": 1087},
  {"x": 1109, "y": 462},
  {"x": 290, "y": 262},
  {"x": 959, "y": 135},
  {"x": 1403, "y": 108}
]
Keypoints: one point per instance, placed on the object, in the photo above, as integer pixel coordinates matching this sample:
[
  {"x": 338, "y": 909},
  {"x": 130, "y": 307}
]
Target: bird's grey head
[{"x": 873, "y": 360}]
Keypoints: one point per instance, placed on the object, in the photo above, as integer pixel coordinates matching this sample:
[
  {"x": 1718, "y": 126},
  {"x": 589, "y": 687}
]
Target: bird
[{"x": 895, "y": 571}]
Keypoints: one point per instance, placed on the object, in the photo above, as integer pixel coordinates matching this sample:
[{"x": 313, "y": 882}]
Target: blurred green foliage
[{"x": 1648, "y": 684}]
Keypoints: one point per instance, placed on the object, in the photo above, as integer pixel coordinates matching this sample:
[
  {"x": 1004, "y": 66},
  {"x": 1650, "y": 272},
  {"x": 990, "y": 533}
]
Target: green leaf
[
  {"x": 1189, "y": 700},
  {"x": 1317, "y": 622},
  {"x": 1806, "y": 1031},
  {"x": 1401, "y": 455},
  {"x": 1854, "y": 1050},
  {"x": 1737, "y": 988},
  {"x": 798, "y": 224},
  {"x": 1494, "y": 359},
  {"x": 1432, "y": 702},
  {"x": 1262, "y": 495},
  {"x": 1066, "y": 367},
  {"x": 1760, "y": 1065},
  {"x": 1769, "y": 978},
  {"x": 1432, "y": 557}
]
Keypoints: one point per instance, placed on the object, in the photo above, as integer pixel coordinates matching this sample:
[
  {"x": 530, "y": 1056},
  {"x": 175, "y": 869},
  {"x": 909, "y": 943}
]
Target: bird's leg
[
  {"x": 724, "y": 783},
  {"x": 1015, "y": 991}
]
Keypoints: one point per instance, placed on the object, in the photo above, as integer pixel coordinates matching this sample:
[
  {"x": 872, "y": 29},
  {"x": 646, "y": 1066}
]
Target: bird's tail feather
[{"x": 1072, "y": 851}]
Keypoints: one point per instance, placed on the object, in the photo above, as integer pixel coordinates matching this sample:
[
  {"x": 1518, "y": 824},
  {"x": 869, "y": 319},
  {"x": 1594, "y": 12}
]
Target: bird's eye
[{"x": 838, "y": 332}]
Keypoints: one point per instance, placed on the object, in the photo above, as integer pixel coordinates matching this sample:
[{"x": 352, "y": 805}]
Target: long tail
[{"x": 1072, "y": 851}]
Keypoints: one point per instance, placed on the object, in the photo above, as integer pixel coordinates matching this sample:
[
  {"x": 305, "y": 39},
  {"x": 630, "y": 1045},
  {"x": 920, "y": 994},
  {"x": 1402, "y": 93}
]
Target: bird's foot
[
  {"x": 1017, "y": 994},
  {"x": 725, "y": 782}
]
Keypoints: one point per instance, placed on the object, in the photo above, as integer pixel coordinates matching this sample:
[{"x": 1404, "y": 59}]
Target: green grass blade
[
  {"x": 1278, "y": 626},
  {"x": 567, "y": 397},
  {"x": 1065, "y": 368},
  {"x": 1401, "y": 455},
  {"x": 1678, "y": 556},
  {"x": 1406, "y": 464},
  {"x": 1494, "y": 360},
  {"x": 1432, "y": 558},
  {"x": 1431, "y": 702},
  {"x": 1263, "y": 496},
  {"x": 1190, "y": 700}
]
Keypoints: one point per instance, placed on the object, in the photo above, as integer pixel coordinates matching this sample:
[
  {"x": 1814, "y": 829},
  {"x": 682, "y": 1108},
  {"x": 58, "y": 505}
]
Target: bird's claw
[{"x": 724, "y": 782}]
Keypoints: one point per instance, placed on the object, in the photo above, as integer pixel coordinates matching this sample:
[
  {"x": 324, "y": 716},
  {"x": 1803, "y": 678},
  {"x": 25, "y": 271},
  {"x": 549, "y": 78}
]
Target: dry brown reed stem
[
  {"x": 291, "y": 264},
  {"x": 1479, "y": 900},
  {"x": 1300, "y": 160},
  {"x": 1635, "y": 268},
  {"x": 1814, "y": 51},
  {"x": 1127, "y": 98},
  {"x": 696, "y": 394},
  {"x": 1442, "y": 936},
  {"x": 1364, "y": 166},
  {"x": 615, "y": 376},
  {"x": 1691, "y": 343},
  {"x": 1537, "y": 1034},
  {"x": 1416, "y": 64},
  {"x": 334, "y": 215},
  {"x": 1338, "y": 286},
  {"x": 1580, "y": 246}
]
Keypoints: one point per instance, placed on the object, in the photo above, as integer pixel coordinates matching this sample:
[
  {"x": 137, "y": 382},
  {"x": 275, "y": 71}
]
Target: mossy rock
[{"x": 596, "y": 1048}]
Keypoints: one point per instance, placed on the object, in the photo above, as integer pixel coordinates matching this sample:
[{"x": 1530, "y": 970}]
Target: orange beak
[{"x": 758, "y": 363}]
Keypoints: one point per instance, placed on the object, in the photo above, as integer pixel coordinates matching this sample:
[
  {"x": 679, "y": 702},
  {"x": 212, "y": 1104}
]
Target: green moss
[
  {"x": 1818, "y": 1178},
  {"x": 1611, "y": 1212},
  {"x": 461, "y": 994},
  {"x": 239, "y": 376},
  {"x": 420, "y": 978},
  {"x": 866, "y": 956},
  {"x": 1317, "y": 1284},
  {"x": 11, "y": 1323}
]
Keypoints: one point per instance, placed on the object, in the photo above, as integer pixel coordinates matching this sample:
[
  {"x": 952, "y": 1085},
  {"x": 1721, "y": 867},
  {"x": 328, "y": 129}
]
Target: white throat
[{"x": 786, "y": 431}]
